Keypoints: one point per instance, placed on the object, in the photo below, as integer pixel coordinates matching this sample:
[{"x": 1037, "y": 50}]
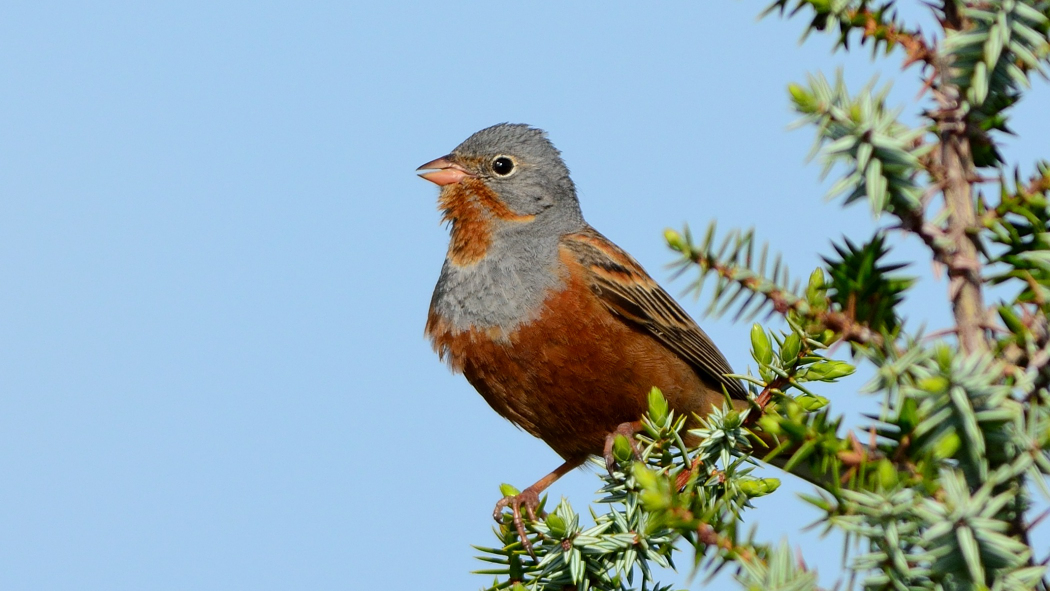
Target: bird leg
[
  {"x": 530, "y": 499},
  {"x": 627, "y": 430}
]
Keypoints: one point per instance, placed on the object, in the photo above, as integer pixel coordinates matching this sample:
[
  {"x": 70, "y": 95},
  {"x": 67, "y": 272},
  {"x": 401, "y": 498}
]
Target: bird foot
[
  {"x": 528, "y": 498},
  {"x": 627, "y": 430}
]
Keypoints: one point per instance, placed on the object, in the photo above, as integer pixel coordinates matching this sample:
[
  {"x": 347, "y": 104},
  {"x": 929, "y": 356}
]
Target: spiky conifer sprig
[{"x": 764, "y": 286}]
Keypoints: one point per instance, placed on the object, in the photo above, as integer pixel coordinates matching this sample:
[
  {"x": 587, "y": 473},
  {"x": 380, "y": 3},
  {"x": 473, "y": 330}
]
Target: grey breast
[{"x": 505, "y": 288}]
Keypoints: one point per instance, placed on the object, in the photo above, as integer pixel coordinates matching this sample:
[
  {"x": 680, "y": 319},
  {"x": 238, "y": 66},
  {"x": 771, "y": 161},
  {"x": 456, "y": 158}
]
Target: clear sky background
[{"x": 216, "y": 261}]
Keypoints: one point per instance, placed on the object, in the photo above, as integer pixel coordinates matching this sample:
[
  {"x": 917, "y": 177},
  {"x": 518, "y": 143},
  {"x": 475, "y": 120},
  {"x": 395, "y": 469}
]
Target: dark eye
[{"x": 502, "y": 166}]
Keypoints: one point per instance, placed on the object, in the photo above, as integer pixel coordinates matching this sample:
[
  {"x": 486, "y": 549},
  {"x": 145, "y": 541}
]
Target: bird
[{"x": 560, "y": 331}]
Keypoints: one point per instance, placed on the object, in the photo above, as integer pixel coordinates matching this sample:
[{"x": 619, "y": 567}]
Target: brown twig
[
  {"x": 846, "y": 325},
  {"x": 912, "y": 41}
]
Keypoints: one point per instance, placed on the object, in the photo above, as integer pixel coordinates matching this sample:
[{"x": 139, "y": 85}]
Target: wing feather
[{"x": 630, "y": 293}]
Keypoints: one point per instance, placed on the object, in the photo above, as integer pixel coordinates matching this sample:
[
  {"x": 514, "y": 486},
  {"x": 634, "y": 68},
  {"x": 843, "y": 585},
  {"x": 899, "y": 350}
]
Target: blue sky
[{"x": 217, "y": 262}]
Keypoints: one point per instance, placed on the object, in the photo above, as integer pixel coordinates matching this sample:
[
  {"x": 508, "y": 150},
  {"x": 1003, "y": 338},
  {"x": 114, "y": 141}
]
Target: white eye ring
[{"x": 503, "y": 166}]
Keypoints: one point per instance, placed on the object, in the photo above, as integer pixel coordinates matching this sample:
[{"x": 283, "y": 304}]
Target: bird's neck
[{"x": 473, "y": 211}]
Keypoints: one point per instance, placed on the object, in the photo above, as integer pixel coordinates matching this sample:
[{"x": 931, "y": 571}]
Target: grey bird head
[
  {"x": 509, "y": 200},
  {"x": 520, "y": 165}
]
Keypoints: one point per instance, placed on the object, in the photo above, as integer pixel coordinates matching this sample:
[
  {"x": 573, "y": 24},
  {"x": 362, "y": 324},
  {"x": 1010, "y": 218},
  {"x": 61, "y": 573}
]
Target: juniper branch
[{"x": 731, "y": 267}]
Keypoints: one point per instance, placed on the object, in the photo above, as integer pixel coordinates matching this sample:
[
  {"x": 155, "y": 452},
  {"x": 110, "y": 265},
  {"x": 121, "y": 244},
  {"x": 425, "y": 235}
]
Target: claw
[
  {"x": 530, "y": 497},
  {"x": 531, "y": 500}
]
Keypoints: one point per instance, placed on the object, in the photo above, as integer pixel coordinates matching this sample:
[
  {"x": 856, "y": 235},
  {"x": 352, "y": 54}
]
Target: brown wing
[{"x": 630, "y": 293}]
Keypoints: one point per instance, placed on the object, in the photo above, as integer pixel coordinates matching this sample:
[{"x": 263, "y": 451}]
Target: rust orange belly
[{"x": 573, "y": 373}]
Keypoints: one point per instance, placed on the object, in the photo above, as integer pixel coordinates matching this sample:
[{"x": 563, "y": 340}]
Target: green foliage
[
  {"x": 643, "y": 506},
  {"x": 992, "y": 59},
  {"x": 608, "y": 555},
  {"x": 1018, "y": 223},
  {"x": 871, "y": 21},
  {"x": 881, "y": 154},
  {"x": 935, "y": 492},
  {"x": 866, "y": 288},
  {"x": 1003, "y": 42}
]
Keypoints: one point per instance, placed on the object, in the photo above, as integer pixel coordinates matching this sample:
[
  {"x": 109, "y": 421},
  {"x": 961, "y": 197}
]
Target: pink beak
[{"x": 443, "y": 172}]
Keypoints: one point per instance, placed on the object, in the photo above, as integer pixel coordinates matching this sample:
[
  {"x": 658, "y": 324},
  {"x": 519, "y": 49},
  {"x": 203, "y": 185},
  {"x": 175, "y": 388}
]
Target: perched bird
[{"x": 561, "y": 331}]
